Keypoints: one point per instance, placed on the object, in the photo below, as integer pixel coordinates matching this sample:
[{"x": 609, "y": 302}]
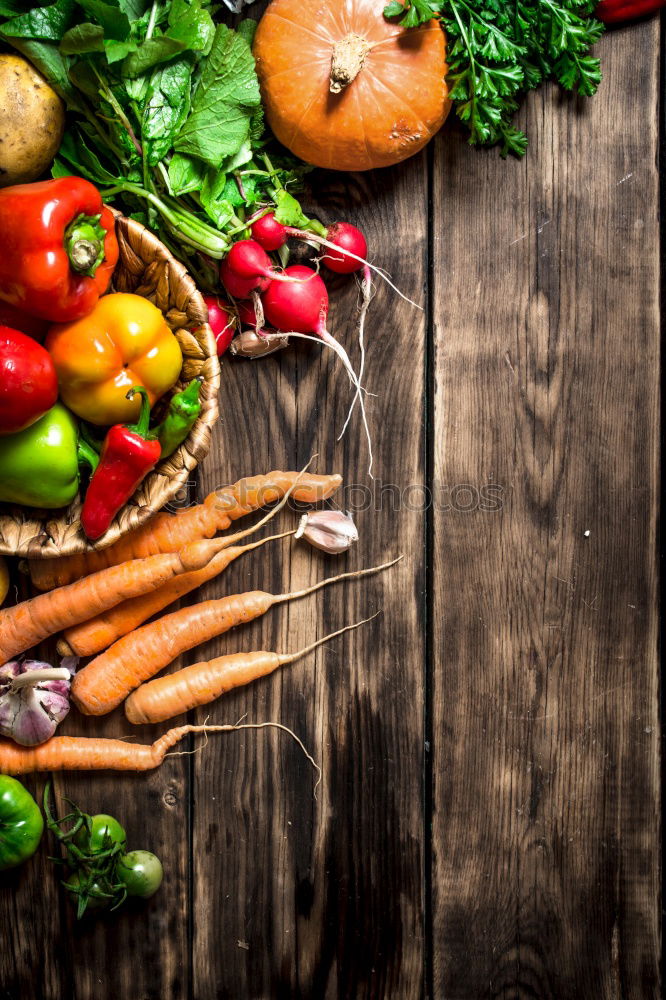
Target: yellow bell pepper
[{"x": 123, "y": 342}]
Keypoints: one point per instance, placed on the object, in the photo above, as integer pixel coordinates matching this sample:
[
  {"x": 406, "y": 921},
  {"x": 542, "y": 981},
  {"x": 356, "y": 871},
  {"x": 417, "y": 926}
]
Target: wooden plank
[
  {"x": 32, "y": 889},
  {"x": 140, "y": 951},
  {"x": 546, "y": 741},
  {"x": 294, "y": 897}
]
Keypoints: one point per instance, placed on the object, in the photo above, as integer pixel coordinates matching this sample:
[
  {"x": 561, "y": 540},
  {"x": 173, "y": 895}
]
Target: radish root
[
  {"x": 360, "y": 390},
  {"x": 302, "y": 234},
  {"x": 367, "y": 295}
]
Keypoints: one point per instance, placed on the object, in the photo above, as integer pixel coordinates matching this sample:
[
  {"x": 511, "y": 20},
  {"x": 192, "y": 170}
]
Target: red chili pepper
[
  {"x": 617, "y": 11},
  {"x": 59, "y": 248},
  {"x": 128, "y": 455}
]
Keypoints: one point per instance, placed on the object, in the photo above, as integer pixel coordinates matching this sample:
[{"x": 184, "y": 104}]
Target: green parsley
[{"x": 497, "y": 50}]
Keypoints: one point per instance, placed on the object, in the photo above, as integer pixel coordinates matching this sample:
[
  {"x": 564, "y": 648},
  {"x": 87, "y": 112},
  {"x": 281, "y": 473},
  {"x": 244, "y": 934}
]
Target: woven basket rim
[{"x": 28, "y": 532}]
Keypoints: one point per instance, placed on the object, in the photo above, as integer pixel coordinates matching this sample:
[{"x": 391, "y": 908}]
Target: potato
[{"x": 31, "y": 124}]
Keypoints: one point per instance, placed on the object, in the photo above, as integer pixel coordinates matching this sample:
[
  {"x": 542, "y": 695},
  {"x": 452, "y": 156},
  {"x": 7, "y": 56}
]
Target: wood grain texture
[
  {"x": 546, "y": 739},
  {"x": 324, "y": 898},
  {"x": 140, "y": 951},
  {"x": 529, "y": 666}
]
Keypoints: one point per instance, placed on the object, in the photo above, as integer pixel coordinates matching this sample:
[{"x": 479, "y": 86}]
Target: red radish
[
  {"x": 240, "y": 288},
  {"x": 222, "y": 322},
  {"x": 345, "y": 253},
  {"x": 347, "y": 237},
  {"x": 252, "y": 314},
  {"x": 248, "y": 260},
  {"x": 300, "y": 307},
  {"x": 269, "y": 233},
  {"x": 247, "y": 267},
  {"x": 247, "y": 314}
]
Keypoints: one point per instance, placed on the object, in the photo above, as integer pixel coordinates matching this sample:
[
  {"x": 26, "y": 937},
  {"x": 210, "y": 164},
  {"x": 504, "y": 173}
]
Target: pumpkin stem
[{"x": 347, "y": 61}]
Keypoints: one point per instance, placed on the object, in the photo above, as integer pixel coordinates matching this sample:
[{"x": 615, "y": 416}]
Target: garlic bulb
[
  {"x": 34, "y": 699},
  {"x": 328, "y": 530}
]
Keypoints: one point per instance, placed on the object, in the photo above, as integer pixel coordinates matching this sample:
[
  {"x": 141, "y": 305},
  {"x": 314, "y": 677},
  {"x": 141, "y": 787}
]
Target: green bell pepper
[
  {"x": 39, "y": 466},
  {"x": 21, "y": 823}
]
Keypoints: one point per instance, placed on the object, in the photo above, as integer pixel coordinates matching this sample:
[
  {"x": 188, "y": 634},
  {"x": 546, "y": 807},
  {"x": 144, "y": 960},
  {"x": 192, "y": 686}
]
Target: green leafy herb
[
  {"x": 44, "y": 23},
  {"x": 82, "y": 38},
  {"x": 110, "y": 16},
  {"x": 289, "y": 212},
  {"x": 152, "y": 52},
  {"x": 497, "y": 50},
  {"x": 412, "y": 13},
  {"x": 223, "y": 102},
  {"x": 165, "y": 116},
  {"x": 166, "y": 108}
]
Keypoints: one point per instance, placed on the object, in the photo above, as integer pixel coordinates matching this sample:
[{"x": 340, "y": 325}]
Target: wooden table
[{"x": 487, "y": 823}]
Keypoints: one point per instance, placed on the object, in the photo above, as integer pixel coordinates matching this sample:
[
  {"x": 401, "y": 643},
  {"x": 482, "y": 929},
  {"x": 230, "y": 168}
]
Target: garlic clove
[
  {"x": 250, "y": 344},
  {"x": 328, "y": 530}
]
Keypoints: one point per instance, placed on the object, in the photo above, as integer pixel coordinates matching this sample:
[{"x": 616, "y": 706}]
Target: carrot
[
  {"x": 203, "y": 682},
  {"x": 24, "y": 625},
  {"x": 84, "y": 753},
  {"x": 170, "y": 532},
  {"x": 91, "y": 637},
  {"x": 107, "y": 680},
  {"x": 52, "y": 611}
]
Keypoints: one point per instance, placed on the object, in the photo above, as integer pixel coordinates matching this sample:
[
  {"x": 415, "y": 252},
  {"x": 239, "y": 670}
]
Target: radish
[
  {"x": 248, "y": 260},
  {"x": 299, "y": 308},
  {"x": 346, "y": 240},
  {"x": 239, "y": 288},
  {"x": 247, "y": 267},
  {"x": 253, "y": 314},
  {"x": 221, "y": 320},
  {"x": 269, "y": 233},
  {"x": 347, "y": 237},
  {"x": 247, "y": 314}
]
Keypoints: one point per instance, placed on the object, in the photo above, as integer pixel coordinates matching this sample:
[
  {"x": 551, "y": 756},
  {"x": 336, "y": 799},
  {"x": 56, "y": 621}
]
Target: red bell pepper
[
  {"x": 59, "y": 248},
  {"x": 617, "y": 11},
  {"x": 18, "y": 320},
  {"x": 128, "y": 454}
]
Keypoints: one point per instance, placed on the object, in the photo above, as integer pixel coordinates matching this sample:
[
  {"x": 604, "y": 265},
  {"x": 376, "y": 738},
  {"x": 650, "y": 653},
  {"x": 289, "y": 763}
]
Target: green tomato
[
  {"x": 141, "y": 873},
  {"x": 97, "y": 898},
  {"x": 105, "y": 831},
  {"x": 21, "y": 823}
]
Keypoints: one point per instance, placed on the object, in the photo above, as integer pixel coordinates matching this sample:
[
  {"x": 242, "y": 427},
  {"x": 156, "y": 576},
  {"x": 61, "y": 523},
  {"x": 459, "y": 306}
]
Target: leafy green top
[
  {"x": 166, "y": 114},
  {"x": 497, "y": 50}
]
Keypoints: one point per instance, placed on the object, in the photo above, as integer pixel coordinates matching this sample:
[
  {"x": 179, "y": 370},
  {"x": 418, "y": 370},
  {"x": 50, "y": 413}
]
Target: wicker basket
[{"x": 146, "y": 268}]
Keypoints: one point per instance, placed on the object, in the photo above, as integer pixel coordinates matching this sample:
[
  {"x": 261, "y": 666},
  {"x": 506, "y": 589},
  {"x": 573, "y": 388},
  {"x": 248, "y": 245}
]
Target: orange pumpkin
[{"x": 346, "y": 89}]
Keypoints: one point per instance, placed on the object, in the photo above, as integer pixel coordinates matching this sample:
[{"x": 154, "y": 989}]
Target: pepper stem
[
  {"x": 142, "y": 424},
  {"x": 84, "y": 244},
  {"x": 86, "y": 454}
]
